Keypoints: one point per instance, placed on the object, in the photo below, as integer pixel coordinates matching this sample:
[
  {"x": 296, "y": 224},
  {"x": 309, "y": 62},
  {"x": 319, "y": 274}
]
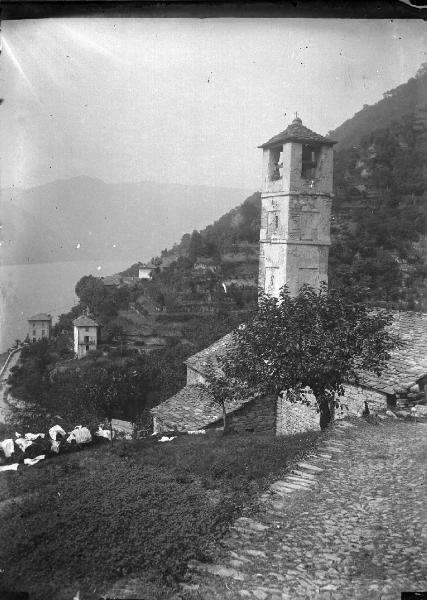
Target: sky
[{"x": 184, "y": 100}]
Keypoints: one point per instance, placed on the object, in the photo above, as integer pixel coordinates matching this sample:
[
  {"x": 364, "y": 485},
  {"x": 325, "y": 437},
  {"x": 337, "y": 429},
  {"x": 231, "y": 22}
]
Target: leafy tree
[
  {"x": 316, "y": 339},
  {"x": 224, "y": 389},
  {"x": 91, "y": 292}
]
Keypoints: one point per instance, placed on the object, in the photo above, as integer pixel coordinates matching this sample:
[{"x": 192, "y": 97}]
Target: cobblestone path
[{"x": 353, "y": 527}]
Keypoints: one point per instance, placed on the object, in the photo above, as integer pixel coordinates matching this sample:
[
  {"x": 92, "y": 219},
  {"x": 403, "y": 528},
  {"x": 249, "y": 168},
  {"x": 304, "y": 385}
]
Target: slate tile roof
[
  {"x": 40, "y": 317},
  {"x": 200, "y": 361},
  {"x": 297, "y": 132},
  {"x": 85, "y": 321},
  {"x": 190, "y": 409},
  {"x": 406, "y": 365},
  {"x": 193, "y": 408}
]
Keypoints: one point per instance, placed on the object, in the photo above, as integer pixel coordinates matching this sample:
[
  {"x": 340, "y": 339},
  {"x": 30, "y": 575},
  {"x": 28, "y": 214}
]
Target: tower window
[
  {"x": 275, "y": 164},
  {"x": 276, "y": 221},
  {"x": 310, "y": 156}
]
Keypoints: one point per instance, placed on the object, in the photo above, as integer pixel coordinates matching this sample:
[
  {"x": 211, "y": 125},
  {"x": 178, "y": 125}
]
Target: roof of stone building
[
  {"x": 191, "y": 408},
  {"x": 205, "y": 357},
  {"x": 40, "y": 317},
  {"x": 406, "y": 365},
  {"x": 297, "y": 132},
  {"x": 84, "y": 321}
]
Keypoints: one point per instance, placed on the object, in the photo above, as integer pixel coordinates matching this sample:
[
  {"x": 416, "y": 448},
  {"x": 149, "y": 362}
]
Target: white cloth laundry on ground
[
  {"x": 34, "y": 436},
  {"x": 54, "y": 446},
  {"x": 53, "y": 431},
  {"x": 34, "y": 461},
  {"x": 23, "y": 444},
  {"x": 166, "y": 439},
  {"x": 13, "y": 467},
  {"x": 8, "y": 447},
  {"x": 80, "y": 434},
  {"x": 105, "y": 433}
]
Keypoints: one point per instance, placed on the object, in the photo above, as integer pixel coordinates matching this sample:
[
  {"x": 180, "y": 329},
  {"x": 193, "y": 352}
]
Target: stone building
[
  {"x": 192, "y": 407},
  {"x": 294, "y": 247},
  {"x": 86, "y": 331},
  {"x": 39, "y": 326}
]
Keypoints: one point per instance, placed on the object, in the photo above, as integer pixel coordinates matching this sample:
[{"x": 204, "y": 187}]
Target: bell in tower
[{"x": 296, "y": 203}]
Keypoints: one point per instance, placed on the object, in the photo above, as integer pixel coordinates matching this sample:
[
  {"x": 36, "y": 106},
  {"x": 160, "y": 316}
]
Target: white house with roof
[
  {"x": 86, "y": 331},
  {"x": 144, "y": 271},
  {"x": 39, "y": 326}
]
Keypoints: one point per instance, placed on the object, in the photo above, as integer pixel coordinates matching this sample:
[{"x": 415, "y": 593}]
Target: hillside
[
  {"x": 403, "y": 100},
  {"x": 379, "y": 217},
  {"x": 86, "y": 219}
]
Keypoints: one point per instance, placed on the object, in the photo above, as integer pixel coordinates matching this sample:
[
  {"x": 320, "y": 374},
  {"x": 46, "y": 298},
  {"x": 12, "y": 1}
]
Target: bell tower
[{"x": 296, "y": 203}]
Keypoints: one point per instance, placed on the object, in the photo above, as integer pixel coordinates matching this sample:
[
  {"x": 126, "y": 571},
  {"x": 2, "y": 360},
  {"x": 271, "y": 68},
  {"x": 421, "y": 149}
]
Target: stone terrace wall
[{"x": 257, "y": 416}]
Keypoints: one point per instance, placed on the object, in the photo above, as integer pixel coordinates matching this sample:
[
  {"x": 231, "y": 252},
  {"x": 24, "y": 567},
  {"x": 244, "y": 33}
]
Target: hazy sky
[{"x": 184, "y": 100}]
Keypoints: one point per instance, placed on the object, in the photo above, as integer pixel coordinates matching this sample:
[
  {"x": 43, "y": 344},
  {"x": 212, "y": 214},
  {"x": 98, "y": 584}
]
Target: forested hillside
[{"x": 403, "y": 100}]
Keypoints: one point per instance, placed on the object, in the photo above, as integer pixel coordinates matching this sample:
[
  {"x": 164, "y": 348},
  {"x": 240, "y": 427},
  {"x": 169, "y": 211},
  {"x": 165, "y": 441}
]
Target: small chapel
[{"x": 296, "y": 200}]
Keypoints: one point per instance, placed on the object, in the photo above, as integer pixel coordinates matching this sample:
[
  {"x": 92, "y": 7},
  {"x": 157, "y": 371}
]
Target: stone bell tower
[{"x": 295, "y": 209}]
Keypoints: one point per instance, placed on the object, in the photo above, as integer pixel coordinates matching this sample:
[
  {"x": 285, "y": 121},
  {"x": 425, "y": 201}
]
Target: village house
[
  {"x": 144, "y": 271},
  {"x": 294, "y": 246},
  {"x": 39, "y": 326},
  {"x": 86, "y": 331}
]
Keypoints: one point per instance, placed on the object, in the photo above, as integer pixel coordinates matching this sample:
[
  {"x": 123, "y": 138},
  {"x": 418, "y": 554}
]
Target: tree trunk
[
  {"x": 224, "y": 418},
  {"x": 325, "y": 413}
]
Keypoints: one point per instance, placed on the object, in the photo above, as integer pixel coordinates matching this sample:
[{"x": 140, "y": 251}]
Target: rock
[
  {"x": 244, "y": 523},
  {"x": 189, "y": 587},
  {"x": 389, "y": 413},
  {"x": 256, "y": 553},
  {"x": 403, "y": 413},
  {"x": 308, "y": 467},
  {"x": 219, "y": 570}
]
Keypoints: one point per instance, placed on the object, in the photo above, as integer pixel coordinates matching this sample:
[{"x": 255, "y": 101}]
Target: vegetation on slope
[
  {"x": 405, "y": 99},
  {"x": 85, "y": 520}
]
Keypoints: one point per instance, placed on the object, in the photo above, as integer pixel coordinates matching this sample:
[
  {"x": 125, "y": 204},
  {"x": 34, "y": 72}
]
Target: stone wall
[
  {"x": 355, "y": 397},
  {"x": 294, "y": 417},
  {"x": 258, "y": 416}
]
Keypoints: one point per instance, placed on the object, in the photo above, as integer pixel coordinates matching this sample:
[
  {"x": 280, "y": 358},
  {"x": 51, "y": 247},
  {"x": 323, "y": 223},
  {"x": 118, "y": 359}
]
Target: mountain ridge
[{"x": 85, "y": 218}]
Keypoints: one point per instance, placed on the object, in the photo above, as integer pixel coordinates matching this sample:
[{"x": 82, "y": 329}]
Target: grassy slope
[{"x": 86, "y": 520}]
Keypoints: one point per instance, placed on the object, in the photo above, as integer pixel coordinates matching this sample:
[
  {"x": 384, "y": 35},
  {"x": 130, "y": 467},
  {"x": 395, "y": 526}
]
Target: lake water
[{"x": 43, "y": 287}]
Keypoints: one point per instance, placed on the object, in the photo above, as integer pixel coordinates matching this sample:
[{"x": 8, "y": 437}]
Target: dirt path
[{"x": 357, "y": 529}]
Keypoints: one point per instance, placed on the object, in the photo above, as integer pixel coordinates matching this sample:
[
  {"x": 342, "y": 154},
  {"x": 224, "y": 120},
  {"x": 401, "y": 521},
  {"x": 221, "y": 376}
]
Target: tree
[
  {"x": 319, "y": 339},
  {"x": 223, "y": 389},
  {"x": 91, "y": 292}
]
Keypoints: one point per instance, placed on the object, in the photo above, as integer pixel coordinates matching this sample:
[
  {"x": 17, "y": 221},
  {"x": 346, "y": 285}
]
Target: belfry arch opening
[{"x": 310, "y": 160}]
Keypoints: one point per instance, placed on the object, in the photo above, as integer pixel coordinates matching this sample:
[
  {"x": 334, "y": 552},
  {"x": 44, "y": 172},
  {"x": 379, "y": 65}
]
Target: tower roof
[{"x": 297, "y": 132}]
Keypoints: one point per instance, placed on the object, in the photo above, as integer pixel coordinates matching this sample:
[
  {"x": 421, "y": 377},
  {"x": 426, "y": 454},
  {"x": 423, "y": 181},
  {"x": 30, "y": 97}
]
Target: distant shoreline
[{"x": 81, "y": 260}]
